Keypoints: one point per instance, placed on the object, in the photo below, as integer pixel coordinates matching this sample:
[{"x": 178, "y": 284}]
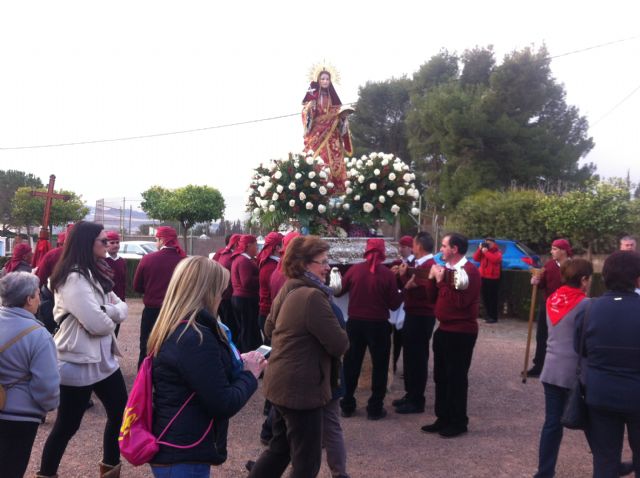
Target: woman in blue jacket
[
  {"x": 192, "y": 355},
  {"x": 612, "y": 350}
]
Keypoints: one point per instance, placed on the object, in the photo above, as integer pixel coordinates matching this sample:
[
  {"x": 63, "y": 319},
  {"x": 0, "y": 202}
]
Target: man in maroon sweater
[
  {"x": 268, "y": 260},
  {"x": 152, "y": 279},
  {"x": 246, "y": 285},
  {"x": 453, "y": 342},
  {"x": 489, "y": 256},
  {"x": 550, "y": 280},
  {"x": 118, "y": 267},
  {"x": 373, "y": 290},
  {"x": 49, "y": 260},
  {"x": 419, "y": 301},
  {"x": 225, "y": 309}
]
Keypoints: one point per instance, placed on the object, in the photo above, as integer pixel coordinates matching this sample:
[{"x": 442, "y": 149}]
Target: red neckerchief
[{"x": 562, "y": 301}]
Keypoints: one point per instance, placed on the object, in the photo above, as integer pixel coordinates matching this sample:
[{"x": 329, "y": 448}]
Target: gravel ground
[{"x": 505, "y": 420}]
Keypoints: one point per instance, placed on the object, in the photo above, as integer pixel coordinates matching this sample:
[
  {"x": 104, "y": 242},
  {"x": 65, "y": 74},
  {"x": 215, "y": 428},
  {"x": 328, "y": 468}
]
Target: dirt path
[{"x": 505, "y": 420}]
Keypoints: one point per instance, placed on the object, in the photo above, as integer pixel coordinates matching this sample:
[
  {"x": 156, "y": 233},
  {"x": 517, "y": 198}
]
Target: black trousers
[
  {"x": 397, "y": 347},
  {"x": 452, "y": 353},
  {"x": 16, "y": 442},
  {"x": 542, "y": 334},
  {"x": 148, "y": 320},
  {"x": 246, "y": 311},
  {"x": 297, "y": 438},
  {"x": 363, "y": 334},
  {"x": 112, "y": 392},
  {"x": 416, "y": 334},
  {"x": 228, "y": 318},
  {"x": 490, "y": 289}
]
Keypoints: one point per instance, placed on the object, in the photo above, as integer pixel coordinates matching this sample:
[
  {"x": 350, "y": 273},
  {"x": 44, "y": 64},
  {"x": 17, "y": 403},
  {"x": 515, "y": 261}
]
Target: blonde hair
[{"x": 197, "y": 283}]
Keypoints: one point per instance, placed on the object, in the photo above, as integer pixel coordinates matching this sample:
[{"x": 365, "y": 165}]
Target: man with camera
[{"x": 490, "y": 258}]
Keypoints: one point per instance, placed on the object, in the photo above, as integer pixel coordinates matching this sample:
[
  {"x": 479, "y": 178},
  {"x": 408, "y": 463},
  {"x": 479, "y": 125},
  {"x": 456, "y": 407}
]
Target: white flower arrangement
[
  {"x": 322, "y": 190},
  {"x": 373, "y": 186},
  {"x": 309, "y": 206},
  {"x": 322, "y": 208},
  {"x": 367, "y": 207},
  {"x": 279, "y": 188},
  {"x": 312, "y": 174},
  {"x": 278, "y": 174},
  {"x": 292, "y": 202},
  {"x": 272, "y": 207}
]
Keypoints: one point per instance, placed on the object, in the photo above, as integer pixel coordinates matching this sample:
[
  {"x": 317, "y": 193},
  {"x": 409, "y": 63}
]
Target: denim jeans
[
  {"x": 182, "y": 470},
  {"x": 554, "y": 400}
]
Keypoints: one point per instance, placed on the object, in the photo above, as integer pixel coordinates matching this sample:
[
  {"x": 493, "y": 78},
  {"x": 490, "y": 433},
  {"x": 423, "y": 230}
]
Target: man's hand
[{"x": 402, "y": 269}]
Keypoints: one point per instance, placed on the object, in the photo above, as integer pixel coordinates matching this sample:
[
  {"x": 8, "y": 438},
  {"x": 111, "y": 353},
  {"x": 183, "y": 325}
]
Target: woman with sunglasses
[{"x": 87, "y": 312}]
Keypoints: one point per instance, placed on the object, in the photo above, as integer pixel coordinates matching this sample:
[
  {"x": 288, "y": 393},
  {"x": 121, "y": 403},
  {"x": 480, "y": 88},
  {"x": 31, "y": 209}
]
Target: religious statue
[{"x": 326, "y": 127}]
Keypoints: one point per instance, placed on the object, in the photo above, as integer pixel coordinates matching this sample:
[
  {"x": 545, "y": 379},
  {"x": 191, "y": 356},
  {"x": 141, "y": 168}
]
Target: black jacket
[{"x": 184, "y": 366}]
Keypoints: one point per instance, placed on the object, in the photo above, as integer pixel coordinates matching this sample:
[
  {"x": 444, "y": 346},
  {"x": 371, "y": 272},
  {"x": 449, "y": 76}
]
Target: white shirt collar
[
  {"x": 459, "y": 265},
  {"x": 114, "y": 258},
  {"x": 410, "y": 258},
  {"x": 275, "y": 258},
  {"x": 246, "y": 255},
  {"x": 423, "y": 259}
]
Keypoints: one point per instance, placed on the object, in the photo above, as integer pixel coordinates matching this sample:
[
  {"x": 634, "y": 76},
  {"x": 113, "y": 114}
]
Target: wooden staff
[{"x": 532, "y": 309}]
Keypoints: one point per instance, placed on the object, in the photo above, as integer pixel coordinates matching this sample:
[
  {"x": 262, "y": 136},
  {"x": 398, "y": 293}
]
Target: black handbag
[{"x": 575, "y": 413}]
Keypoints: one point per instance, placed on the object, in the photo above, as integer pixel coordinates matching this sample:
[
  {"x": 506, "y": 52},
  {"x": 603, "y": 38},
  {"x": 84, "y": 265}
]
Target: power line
[
  {"x": 272, "y": 118},
  {"x": 629, "y": 95}
]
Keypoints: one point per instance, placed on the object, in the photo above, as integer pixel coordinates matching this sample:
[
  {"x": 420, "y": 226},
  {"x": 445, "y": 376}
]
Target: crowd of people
[{"x": 204, "y": 322}]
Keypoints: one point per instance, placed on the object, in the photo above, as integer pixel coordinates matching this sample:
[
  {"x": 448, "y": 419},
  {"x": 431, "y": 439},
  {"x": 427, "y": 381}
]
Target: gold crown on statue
[{"x": 319, "y": 67}]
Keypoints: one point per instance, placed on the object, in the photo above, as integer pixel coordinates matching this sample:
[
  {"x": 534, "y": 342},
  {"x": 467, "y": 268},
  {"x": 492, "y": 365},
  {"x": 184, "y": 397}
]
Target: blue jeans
[
  {"x": 554, "y": 400},
  {"x": 182, "y": 470}
]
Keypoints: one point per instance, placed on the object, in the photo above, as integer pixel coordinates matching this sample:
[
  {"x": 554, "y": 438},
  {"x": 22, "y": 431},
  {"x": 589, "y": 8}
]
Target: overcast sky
[{"x": 83, "y": 71}]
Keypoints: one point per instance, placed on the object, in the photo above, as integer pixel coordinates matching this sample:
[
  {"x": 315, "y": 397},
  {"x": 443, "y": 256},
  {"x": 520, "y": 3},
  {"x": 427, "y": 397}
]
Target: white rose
[
  {"x": 382, "y": 199},
  {"x": 296, "y": 165},
  {"x": 298, "y": 175},
  {"x": 348, "y": 190},
  {"x": 309, "y": 160},
  {"x": 279, "y": 188},
  {"x": 415, "y": 211},
  {"x": 373, "y": 186},
  {"x": 278, "y": 175},
  {"x": 405, "y": 167},
  {"x": 356, "y": 197},
  {"x": 395, "y": 209},
  {"x": 322, "y": 190},
  {"x": 397, "y": 167},
  {"x": 388, "y": 157},
  {"x": 373, "y": 155},
  {"x": 292, "y": 202},
  {"x": 322, "y": 175},
  {"x": 359, "y": 162},
  {"x": 310, "y": 152},
  {"x": 346, "y": 206},
  {"x": 262, "y": 190},
  {"x": 369, "y": 163},
  {"x": 256, "y": 211},
  {"x": 416, "y": 194},
  {"x": 364, "y": 157},
  {"x": 413, "y": 177},
  {"x": 258, "y": 201},
  {"x": 376, "y": 172},
  {"x": 312, "y": 174},
  {"x": 302, "y": 196},
  {"x": 406, "y": 178},
  {"x": 274, "y": 197},
  {"x": 272, "y": 208},
  {"x": 309, "y": 206},
  {"x": 292, "y": 186},
  {"x": 313, "y": 184},
  {"x": 361, "y": 179},
  {"x": 390, "y": 193},
  {"x": 384, "y": 162},
  {"x": 401, "y": 191},
  {"x": 322, "y": 208},
  {"x": 319, "y": 160},
  {"x": 353, "y": 173},
  {"x": 392, "y": 176},
  {"x": 367, "y": 207},
  {"x": 346, "y": 184},
  {"x": 330, "y": 185}
]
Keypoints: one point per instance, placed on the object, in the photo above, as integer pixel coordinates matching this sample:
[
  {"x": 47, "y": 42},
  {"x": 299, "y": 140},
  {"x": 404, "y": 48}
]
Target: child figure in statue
[{"x": 326, "y": 128}]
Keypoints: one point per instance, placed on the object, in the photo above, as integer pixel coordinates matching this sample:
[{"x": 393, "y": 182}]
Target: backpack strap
[
  {"x": 18, "y": 337},
  {"x": 183, "y": 447}
]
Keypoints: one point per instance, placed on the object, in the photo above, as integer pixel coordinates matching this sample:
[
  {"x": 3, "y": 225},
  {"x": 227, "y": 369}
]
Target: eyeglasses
[
  {"x": 322, "y": 263},
  {"x": 114, "y": 242},
  {"x": 104, "y": 241}
]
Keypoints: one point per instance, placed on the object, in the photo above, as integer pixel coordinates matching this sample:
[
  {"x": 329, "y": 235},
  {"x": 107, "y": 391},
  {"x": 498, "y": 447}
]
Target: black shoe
[
  {"x": 400, "y": 401},
  {"x": 435, "y": 427},
  {"x": 490, "y": 321},
  {"x": 377, "y": 416},
  {"x": 408, "y": 408},
  {"x": 626, "y": 468},
  {"x": 265, "y": 441},
  {"x": 452, "y": 432},
  {"x": 346, "y": 413},
  {"x": 534, "y": 372},
  {"x": 249, "y": 465}
]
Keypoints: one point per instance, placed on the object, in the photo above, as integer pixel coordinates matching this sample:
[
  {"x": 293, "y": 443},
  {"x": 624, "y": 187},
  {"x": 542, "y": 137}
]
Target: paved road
[{"x": 505, "y": 420}]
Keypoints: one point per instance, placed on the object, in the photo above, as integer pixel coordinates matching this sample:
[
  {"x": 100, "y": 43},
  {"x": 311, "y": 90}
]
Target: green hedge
[
  {"x": 3, "y": 261},
  {"x": 515, "y": 292},
  {"x": 132, "y": 265}
]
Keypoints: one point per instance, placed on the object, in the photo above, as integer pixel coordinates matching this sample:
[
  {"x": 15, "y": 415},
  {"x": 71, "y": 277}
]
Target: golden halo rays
[{"x": 315, "y": 70}]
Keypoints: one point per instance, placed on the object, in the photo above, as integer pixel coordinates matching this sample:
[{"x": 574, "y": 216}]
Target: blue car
[{"x": 515, "y": 255}]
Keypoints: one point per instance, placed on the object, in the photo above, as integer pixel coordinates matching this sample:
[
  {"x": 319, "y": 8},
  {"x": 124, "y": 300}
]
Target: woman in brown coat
[{"x": 306, "y": 336}]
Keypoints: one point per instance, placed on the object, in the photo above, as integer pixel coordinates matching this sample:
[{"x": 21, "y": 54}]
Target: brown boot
[{"x": 108, "y": 471}]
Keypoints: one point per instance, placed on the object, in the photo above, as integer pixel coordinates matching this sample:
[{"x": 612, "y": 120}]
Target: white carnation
[
  {"x": 309, "y": 160},
  {"x": 373, "y": 186},
  {"x": 312, "y": 174},
  {"x": 382, "y": 199},
  {"x": 376, "y": 172},
  {"x": 292, "y": 202},
  {"x": 392, "y": 176},
  {"x": 309, "y": 206},
  {"x": 401, "y": 191},
  {"x": 322, "y": 208},
  {"x": 313, "y": 184},
  {"x": 278, "y": 175},
  {"x": 302, "y": 196},
  {"x": 390, "y": 193},
  {"x": 292, "y": 186},
  {"x": 367, "y": 207},
  {"x": 322, "y": 190}
]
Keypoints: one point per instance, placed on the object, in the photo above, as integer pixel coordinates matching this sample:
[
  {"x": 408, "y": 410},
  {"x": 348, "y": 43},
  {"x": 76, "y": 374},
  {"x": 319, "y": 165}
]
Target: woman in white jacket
[{"x": 87, "y": 312}]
